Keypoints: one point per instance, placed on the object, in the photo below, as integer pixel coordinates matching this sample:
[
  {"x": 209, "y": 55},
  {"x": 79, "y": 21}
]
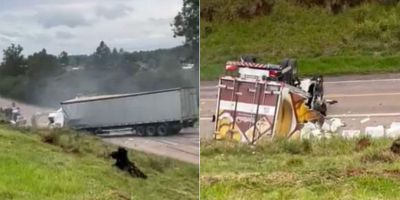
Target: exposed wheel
[
  {"x": 140, "y": 131},
  {"x": 293, "y": 64},
  {"x": 290, "y": 77},
  {"x": 150, "y": 131},
  {"x": 162, "y": 130}
]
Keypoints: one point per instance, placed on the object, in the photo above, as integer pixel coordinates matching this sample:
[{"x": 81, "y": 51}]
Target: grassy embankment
[
  {"x": 325, "y": 169},
  {"x": 361, "y": 39},
  {"x": 71, "y": 166}
]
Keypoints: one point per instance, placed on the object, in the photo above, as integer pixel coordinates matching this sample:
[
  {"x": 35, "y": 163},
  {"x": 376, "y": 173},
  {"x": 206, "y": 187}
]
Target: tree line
[
  {"x": 47, "y": 79},
  {"x": 43, "y": 78}
]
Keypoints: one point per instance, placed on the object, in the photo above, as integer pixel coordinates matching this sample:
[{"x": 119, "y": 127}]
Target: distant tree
[
  {"x": 41, "y": 65},
  {"x": 102, "y": 55},
  {"x": 13, "y": 61},
  {"x": 114, "y": 52},
  {"x": 186, "y": 23},
  {"x": 63, "y": 58}
]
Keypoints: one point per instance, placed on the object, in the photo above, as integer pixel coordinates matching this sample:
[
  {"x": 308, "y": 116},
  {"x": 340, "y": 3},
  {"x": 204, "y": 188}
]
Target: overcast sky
[{"x": 78, "y": 26}]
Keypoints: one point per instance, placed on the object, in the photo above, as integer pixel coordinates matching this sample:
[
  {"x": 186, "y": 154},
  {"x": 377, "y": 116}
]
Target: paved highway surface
[
  {"x": 184, "y": 146},
  {"x": 376, "y": 97}
]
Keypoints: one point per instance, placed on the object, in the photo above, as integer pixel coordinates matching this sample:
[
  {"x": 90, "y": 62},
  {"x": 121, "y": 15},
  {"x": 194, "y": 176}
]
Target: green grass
[
  {"x": 74, "y": 166},
  {"x": 363, "y": 39},
  {"x": 325, "y": 169}
]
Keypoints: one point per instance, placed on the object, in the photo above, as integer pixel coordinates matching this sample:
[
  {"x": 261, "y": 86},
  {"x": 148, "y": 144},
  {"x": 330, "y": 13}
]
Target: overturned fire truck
[{"x": 266, "y": 100}]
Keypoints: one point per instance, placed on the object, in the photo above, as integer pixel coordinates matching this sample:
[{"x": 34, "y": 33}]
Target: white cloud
[{"x": 78, "y": 26}]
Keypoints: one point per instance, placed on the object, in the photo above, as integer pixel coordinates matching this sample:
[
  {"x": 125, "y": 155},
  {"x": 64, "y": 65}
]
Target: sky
[{"x": 78, "y": 26}]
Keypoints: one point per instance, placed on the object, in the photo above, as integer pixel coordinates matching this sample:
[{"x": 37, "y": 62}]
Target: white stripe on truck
[{"x": 247, "y": 108}]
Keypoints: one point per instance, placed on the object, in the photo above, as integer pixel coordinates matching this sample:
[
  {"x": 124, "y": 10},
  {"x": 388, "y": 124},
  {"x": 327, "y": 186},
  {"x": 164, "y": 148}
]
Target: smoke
[{"x": 165, "y": 72}]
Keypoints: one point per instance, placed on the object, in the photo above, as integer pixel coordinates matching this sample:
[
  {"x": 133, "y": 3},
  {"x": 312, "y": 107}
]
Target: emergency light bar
[{"x": 236, "y": 64}]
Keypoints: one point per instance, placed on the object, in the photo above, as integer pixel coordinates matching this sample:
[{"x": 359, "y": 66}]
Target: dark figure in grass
[{"x": 123, "y": 163}]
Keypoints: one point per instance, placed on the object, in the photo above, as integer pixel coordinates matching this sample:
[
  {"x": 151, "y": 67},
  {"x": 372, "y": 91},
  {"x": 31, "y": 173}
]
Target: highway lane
[
  {"x": 183, "y": 146},
  {"x": 376, "y": 97}
]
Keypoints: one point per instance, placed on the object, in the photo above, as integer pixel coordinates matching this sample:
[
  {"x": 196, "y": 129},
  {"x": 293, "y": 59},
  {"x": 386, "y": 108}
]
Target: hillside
[
  {"x": 324, "y": 169},
  {"x": 70, "y": 166},
  {"x": 362, "y": 38}
]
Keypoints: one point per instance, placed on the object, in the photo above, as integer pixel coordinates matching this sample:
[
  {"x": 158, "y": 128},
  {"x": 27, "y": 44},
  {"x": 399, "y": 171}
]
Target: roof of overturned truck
[{"x": 113, "y": 96}]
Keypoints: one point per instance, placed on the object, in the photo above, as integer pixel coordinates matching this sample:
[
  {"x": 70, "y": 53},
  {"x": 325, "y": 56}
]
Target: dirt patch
[
  {"x": 388, "y": 173},
  {"x": 355, "y": 172},
  {"x": 381, "y": 156},
  {"x": 362, "y": 144},
  {"x": 395, "y": 148},
  {"x": 392, "y": 172},
  {"x": 276, "y": 178},
  {"x": 49, "y": 137}
]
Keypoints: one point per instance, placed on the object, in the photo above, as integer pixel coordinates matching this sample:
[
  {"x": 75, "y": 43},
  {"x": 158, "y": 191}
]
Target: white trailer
[{"x": 152, "y": 113}]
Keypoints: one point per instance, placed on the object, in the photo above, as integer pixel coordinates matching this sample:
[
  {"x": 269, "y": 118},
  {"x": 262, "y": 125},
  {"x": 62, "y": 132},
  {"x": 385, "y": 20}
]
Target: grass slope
[
  {"x": 77, "y": 167},
  {"x": 326, "y": 169},
  {"x": 363, "y": 39}
]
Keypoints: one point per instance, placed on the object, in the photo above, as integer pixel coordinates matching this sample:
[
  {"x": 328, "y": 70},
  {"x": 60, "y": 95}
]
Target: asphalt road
[
  {"x": 376, "y": 97},
  {"x": 183, "y": 146}
]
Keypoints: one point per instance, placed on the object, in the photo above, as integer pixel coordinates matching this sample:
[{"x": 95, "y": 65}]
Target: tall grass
[
  {"x": 361, "y": 39},
  {"x": 318, "y": 169},
  {"x": 60, "y": 164}
]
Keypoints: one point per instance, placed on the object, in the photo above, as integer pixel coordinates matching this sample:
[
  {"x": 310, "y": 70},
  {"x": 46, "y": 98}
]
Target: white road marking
[
  {"x": 358, "y": 115},
  {"x": 365, "y": 115},
  {"x": 363, "y": 81},
  {"x": 363, "y": 95}
]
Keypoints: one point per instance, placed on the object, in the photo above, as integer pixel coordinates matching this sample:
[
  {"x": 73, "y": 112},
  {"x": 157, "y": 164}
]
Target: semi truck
[{"x": 153, "y": 113}]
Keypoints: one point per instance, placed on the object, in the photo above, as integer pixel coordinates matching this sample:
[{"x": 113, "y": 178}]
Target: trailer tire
[
  {"x": 162, "y": 130},
  {"x": 140, "y": 131},
  {"x": 151, "y": 130}
]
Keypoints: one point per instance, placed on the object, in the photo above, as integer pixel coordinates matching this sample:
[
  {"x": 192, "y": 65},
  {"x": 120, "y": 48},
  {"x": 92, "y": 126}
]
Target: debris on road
[
  {"x": 364, "y": 120},
  {"x": 12, "y": 115},
  {"x": 348, "y": 134},
  {"x": 394, "y": 130},
  {"x": 329, "y": 128},
  {"x": 375, "y": 131}
]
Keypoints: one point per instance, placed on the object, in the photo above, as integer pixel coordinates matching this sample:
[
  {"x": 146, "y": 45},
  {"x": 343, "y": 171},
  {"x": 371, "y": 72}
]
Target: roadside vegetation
[
  {"x": 321, "y": 169},
  {"x": 326, "y": 37},
  {"x": 60, "y": 164}
]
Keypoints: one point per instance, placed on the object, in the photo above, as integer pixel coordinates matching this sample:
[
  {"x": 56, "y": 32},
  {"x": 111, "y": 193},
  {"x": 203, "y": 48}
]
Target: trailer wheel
[
  {"x": 140, "y": 131},
  {"x": 162, "y": 130},
  {"x": 150, "y": 131}
]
